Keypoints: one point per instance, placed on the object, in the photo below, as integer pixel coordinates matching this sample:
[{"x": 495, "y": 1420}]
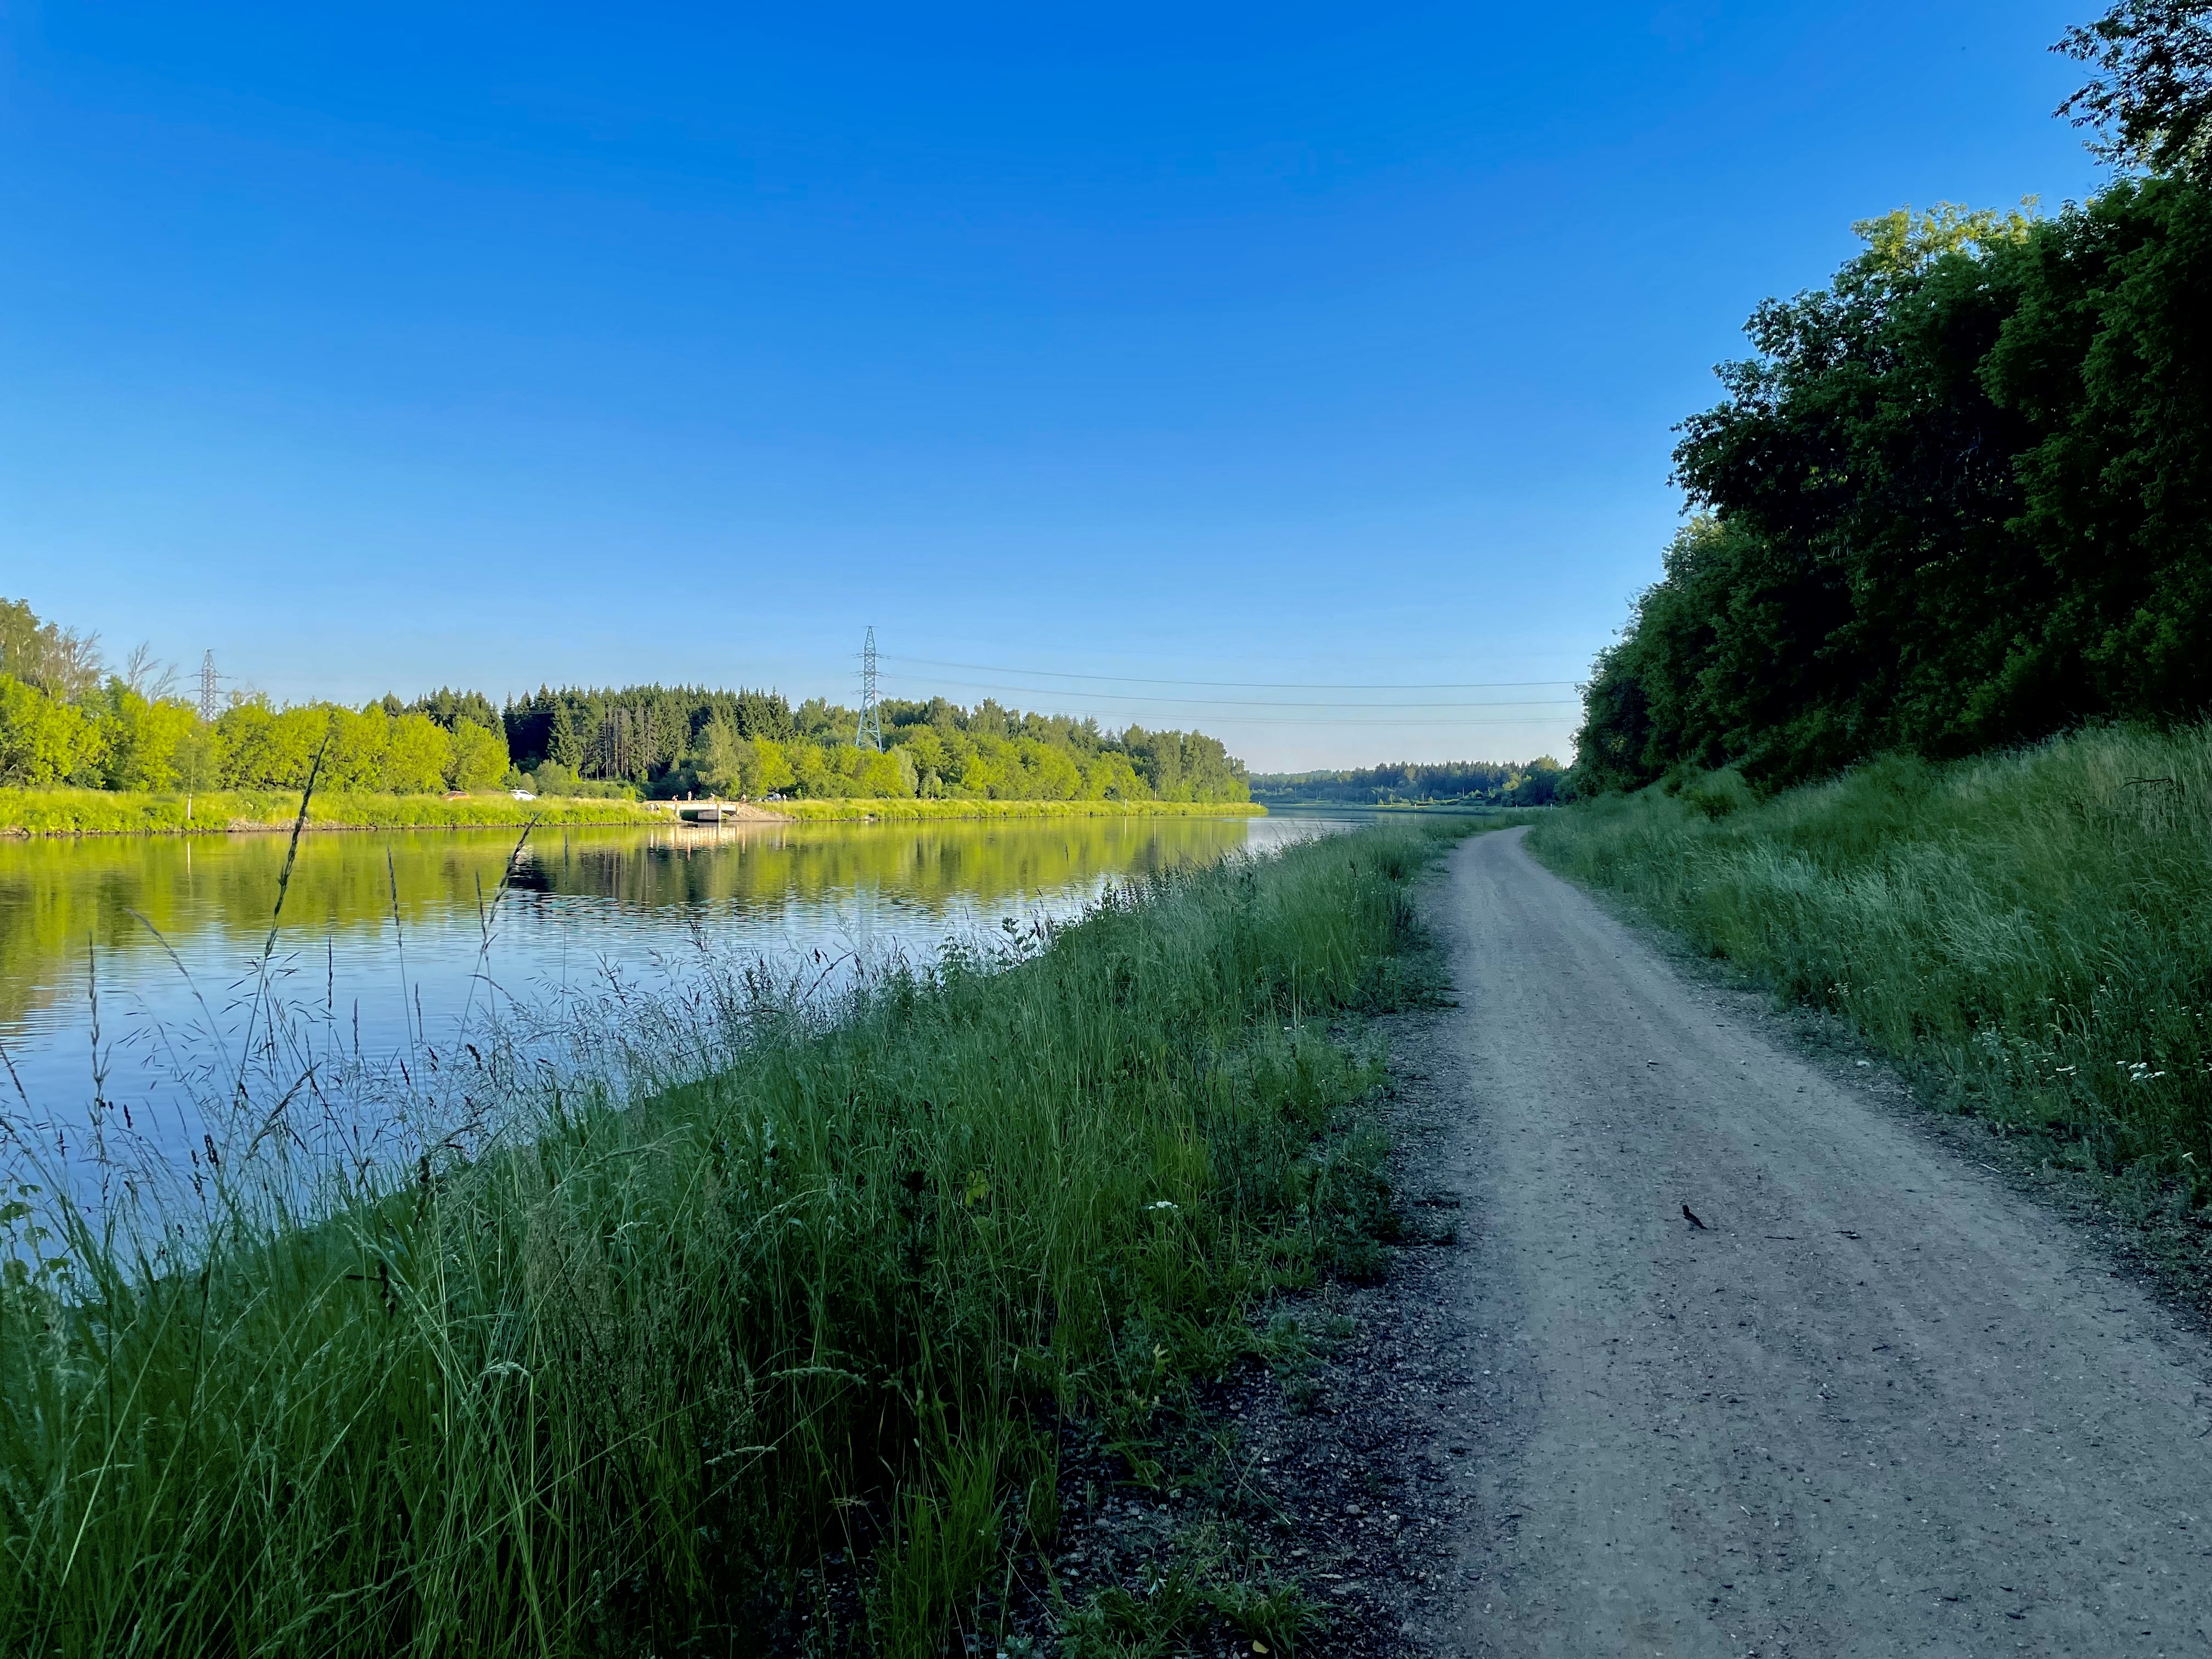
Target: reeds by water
[
  {"x": 65, "y": 811},
  {"x": 2034, "y": 926},
  {"x": 652, "y": 1373}
]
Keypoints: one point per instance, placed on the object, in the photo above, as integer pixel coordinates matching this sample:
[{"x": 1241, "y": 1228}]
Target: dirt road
[{"x": 1878, "y": 1404}]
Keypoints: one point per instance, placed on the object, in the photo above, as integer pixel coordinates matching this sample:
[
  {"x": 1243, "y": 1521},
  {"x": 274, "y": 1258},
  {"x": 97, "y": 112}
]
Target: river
[{"x": 132, "y": 968}]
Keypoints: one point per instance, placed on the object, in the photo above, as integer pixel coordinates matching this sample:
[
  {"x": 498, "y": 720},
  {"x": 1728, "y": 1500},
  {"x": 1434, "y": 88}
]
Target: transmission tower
[
  {"x": 870, "y": 734},
  {"x": 210, "y": 706}
]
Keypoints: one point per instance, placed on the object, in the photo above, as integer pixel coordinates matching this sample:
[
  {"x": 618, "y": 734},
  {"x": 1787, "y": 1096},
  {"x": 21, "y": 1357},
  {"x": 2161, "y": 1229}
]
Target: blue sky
[{"x": 1290, "y": 346}]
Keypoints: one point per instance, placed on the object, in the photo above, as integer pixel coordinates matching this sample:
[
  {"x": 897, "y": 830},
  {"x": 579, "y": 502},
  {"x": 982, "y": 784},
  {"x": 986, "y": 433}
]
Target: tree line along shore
[
  {"x": 1491, "y": 784},
  {"x": 68, "y": 722}
]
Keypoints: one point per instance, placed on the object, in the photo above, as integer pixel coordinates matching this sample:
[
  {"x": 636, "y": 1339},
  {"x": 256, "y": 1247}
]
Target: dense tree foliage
[
  {"x": 1961, "y": 497},
  {"x": 2152, "y": 97},
  {"x": 115, "y": 738},
  {"x": 64, "y": 719},
  {"x": 684, "y": 740},
  {"x": 1505, "y": 783},
  {"x": 45, "y": 656}
]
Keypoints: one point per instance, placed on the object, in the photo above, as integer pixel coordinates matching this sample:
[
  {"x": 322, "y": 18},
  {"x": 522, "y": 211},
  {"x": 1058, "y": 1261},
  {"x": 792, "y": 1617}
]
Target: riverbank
[
  {"x": 803, "y": 1348},
  {"x": 121, "y": 812},
  {"x": 817, "y": 811}
]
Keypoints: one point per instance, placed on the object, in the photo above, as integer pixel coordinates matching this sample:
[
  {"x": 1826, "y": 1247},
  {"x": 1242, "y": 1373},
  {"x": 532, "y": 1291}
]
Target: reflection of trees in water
[
  {"x": 935, "y": 865},
  {"x": 57, "y": 896}
]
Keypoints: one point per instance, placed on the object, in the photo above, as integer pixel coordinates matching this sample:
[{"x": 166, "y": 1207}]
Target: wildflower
[{"x": 1165, "y": 1204}]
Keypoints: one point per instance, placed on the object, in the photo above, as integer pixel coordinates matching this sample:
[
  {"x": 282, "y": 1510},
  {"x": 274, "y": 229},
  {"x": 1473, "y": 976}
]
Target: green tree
[
  {"x": 451, "y": 709},
  {"x": 417, "y": 756},
  {"x": 1961, "y": 497},
  {"x": 2152, "y": 96},
  {"x": 42, "y": 740},
  {"x": 564, "y": 743},
  {"x": 259, "y": 747},
  {"x": 140, "y": 737},
  {"x": 62, "y": 663},
  {"x": 773, "y": 771},
  {"x": 478, "y": 757},
  {"x": 723, "y": 759},
  {"x": 357, "y": 742}
]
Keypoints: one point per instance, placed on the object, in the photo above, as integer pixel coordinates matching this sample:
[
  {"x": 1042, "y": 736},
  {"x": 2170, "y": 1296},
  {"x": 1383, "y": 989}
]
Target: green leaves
[{"x": 1961, "y": 498}]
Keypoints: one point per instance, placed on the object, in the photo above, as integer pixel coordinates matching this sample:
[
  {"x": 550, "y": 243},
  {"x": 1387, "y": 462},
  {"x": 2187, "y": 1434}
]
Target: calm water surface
[{"x": 130, "y": 963}]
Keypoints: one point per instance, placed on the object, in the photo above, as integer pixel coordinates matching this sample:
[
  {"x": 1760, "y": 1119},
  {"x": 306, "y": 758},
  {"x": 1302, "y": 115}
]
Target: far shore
[{"x": 26, "y": 813}]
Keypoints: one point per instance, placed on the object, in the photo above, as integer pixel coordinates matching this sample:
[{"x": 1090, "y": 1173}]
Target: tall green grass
[
  {"x": 864, "y": 807},
  {"x": 2035, "y": 926},
  {"x": 781, "y": 1357},
  {"x": 65, "y": 811},
  {"x": 129, "y": 812}
]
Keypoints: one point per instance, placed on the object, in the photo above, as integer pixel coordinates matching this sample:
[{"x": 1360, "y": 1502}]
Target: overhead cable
[
  {"x": 1231, "y": 685},
  {"x": 1217, "y": 702}
]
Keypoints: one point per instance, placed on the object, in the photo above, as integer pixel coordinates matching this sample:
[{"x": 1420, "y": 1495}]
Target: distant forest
[
  {"x": 666, "y": 740},
  {"x": 1498, "y": 783},
  {"x": 1961, "y": 496},
  {"x": 66, "y": 718}
]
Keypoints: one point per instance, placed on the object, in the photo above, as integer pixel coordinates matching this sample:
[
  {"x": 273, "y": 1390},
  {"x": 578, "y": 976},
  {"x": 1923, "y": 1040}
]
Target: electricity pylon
[
  {"x": 209, "y": 705},
  {"x": 870, "y": 734}
]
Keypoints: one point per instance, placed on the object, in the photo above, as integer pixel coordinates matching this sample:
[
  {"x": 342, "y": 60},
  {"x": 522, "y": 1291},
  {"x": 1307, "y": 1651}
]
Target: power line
[
  {"x": 1218, "y": 703},
  {"x": 1229, "y": 685},
  {"x": 1397, "y": 724}
]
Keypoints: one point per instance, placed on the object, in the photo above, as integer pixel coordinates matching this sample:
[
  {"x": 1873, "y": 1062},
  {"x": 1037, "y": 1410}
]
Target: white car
[{"x": 522, "y": 795}]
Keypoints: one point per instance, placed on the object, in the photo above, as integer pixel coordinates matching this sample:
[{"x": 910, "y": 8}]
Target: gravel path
[{"x": 1878, "y": 1404}]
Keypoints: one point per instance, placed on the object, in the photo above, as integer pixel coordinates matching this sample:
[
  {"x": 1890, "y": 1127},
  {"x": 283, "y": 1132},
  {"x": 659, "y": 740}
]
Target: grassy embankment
[
  {"x": 2033, "y": 927},
  {"x": 674, "y": 1375},
  {"x": 125, "y": 812},
  {"x": 120, "y": 812},
  {"x": 807, "y": 811}
]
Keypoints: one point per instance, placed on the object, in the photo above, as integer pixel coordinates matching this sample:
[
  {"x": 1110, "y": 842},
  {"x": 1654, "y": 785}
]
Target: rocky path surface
[{"x": 1875, "y": 1405}]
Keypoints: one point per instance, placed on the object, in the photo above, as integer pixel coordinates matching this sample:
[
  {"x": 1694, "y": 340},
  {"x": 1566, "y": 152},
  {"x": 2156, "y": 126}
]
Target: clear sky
[{"x": 378, "y": 347}]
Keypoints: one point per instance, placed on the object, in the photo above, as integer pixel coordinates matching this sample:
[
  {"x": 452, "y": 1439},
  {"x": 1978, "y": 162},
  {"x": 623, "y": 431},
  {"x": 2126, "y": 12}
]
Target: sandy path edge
[{"x": 1881, "y": 1405}]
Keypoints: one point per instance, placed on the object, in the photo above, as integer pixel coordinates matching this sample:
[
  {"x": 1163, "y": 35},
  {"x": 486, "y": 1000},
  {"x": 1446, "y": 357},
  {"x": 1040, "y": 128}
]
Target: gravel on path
[{"x": 1877, "y": 1404}]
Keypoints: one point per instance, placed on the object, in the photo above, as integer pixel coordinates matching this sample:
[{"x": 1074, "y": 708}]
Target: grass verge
[
  {"x": 816, "y": 811},
  {"x": 782, "y": 1359},
  {"x": 125, "y": 812},
  {"x": 2031, "y": 929}
]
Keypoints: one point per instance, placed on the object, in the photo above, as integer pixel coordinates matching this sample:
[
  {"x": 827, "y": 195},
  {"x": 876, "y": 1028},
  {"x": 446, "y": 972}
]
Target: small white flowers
[
  {"x": 2138, "y": 1071},
  {"x": 1165, "y": 1204}
]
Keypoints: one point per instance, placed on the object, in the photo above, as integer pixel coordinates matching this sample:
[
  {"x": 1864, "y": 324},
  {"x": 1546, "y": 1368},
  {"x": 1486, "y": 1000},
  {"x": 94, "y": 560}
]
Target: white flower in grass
[{"x": 1165, "y": 1204}]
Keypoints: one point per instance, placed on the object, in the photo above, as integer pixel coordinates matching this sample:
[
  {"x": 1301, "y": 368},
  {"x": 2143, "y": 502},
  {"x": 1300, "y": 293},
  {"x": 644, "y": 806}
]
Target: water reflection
[{"x": 126, "y": 961}]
